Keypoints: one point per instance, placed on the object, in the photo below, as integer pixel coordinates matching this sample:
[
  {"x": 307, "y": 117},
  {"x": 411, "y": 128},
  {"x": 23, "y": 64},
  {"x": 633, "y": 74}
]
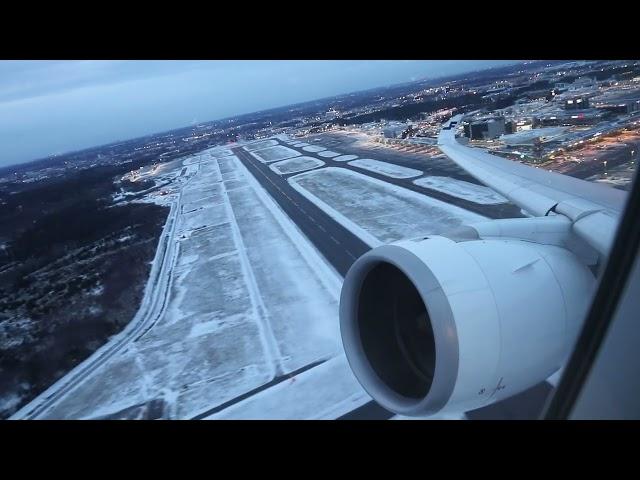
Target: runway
[
  {"x": 430, "y": 166},
  {"x": 341, "y": 247},
  {"x": 338, "y": 245}
]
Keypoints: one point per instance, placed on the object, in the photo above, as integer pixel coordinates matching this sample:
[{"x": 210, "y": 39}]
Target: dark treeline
[{"x": 69, "y": 272}]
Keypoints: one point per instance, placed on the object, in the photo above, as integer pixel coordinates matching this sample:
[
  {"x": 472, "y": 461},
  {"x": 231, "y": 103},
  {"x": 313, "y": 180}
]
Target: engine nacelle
[{"x": 436, "y": 324}]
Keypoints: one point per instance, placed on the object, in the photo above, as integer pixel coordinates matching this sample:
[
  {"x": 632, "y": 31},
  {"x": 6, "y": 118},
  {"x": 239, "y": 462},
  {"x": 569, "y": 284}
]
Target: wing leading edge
[{"x": 594, "y": 209}]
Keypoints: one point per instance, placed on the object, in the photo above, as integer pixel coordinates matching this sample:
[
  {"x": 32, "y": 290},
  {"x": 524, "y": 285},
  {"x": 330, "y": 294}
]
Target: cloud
[
  {"x": 56, "y": 106},
  {"x": 27, "y": 79}
]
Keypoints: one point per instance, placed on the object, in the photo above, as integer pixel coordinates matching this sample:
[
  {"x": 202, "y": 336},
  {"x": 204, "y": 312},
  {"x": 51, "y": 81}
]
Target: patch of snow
[
  {"x": 328, "y": 154},
  {"x": 260, "y": 144},
  {"x": 313, "y": 148},
  {"x": 283, "y": 137},
  {"x": 377, "y": 211},
  {"x": 272, "y": 154},
  {"x": 461, "y": 189},
  {"x": 96, "y": 291},
  {"x": 294, "y": 165},
  {"x": 387, "y": 169},
  {"x": 326, "y": 391},
  {"x": 345, "y": 158},
  {"x": 124, "y": 238},
  {"x": 218, "y": 152}
]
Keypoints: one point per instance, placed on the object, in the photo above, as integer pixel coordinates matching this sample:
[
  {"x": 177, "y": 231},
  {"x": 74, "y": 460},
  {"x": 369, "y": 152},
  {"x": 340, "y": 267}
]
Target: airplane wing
[{"x": 594, "y": 209}]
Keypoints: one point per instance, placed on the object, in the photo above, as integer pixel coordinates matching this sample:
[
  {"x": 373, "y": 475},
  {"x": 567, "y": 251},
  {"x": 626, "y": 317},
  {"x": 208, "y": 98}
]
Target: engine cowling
[{"x": 434, "y": 324}]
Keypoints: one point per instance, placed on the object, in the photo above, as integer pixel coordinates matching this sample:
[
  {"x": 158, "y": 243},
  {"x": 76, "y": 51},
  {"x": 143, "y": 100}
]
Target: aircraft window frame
[{"x": 611, "y": 285}]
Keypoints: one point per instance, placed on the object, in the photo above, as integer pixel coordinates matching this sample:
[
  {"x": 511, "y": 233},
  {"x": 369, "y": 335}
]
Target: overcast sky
[{"x": 49, "y": 107}]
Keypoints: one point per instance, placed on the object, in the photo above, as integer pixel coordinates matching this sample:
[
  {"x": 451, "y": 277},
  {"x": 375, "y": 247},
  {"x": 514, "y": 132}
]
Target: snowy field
[
  {"x": 313, "y": 148},
  {"x": 300, "y": 144},
  {"x": 222, "y": 153},
  {"x": 328, "y": 154},
  {"x": 386, "y": 169},
  {"x": 272, "y": 154},
  {"x": 260, "y": 144},
  {"x": 294, "y": 165},
  {"x": 385, "y": 212},
  {"x": 327, "y": 391},
  {"x": 248, "y": 299},
  {"x": 461, "y": 189},
  {"x": 283, "y": 137},
  {"x": 345, "y": 158},
  {"x": 201, "y": 203}
]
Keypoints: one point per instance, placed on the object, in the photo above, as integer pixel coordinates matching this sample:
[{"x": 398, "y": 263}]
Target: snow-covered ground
[
  {"x": 222, "y": 153},
  {"x": 294, "y": 165},
  {"x": 385, "y": 212},
  {"x": 461, "y": 189},
  {"x": 313, "y": 148},
  {"x": 283, "y": 137},
  {"x": 387, "y": 169},
  {"x": 260, "y": 144},
  {"x": 328, "y": 154},
  {"x": 345, "y": 158},
  {"x": 272, "y": 154},
  {"x": 327, "y": 391},
  {"x": 249, "y": 299}
]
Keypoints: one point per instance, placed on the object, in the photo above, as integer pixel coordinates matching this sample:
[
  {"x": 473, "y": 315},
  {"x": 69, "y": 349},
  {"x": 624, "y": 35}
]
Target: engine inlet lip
[{"x": 442, "y": 324}]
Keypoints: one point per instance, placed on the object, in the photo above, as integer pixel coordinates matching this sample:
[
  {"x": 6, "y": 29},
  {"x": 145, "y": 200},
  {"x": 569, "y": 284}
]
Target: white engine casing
[{"x": 504, "y": 314}]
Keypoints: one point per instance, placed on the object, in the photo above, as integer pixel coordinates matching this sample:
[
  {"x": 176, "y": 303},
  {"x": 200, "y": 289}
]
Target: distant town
[{"x": 562, "y": 116}]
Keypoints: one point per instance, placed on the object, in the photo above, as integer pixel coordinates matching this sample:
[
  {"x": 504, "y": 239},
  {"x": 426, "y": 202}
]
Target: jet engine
[{"x": 441, "y": 324}]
